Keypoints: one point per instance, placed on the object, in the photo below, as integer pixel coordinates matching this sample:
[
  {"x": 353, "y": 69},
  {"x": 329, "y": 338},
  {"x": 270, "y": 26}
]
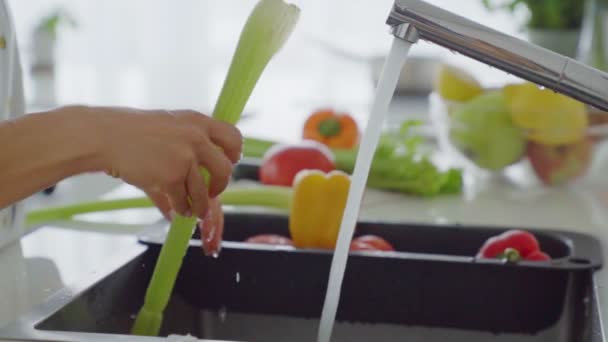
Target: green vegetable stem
[
  {"x": 276, "y": 197},
  {"x": 268, "y": 27}
]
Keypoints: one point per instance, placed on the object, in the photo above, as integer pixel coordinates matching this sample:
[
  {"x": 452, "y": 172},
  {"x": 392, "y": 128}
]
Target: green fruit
[{"x": 482, "y": 129}]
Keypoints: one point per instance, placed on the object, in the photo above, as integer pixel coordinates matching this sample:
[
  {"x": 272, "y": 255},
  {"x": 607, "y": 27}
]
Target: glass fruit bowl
[{"x": 519, "y": 130}]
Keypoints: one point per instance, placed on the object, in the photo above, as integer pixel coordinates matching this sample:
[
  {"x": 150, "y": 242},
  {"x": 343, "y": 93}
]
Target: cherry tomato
[
  {"x": 281, "y": 163},
  {"x": 538, "y": 256},
  {"x": 376, "y": 242},
  {"x": 270, "y": 239}
]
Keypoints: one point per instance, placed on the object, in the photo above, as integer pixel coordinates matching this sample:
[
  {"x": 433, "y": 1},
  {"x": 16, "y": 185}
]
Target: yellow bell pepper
[{"x": 318, "y": 203}]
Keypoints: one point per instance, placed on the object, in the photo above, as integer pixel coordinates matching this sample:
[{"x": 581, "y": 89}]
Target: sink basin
[{"x": 430, "y": 290}]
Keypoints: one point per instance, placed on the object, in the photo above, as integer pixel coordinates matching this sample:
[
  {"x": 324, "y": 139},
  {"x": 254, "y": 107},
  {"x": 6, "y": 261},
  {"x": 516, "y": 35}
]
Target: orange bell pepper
[
  {"x": 332, "y": 129},
  {"x": 318, "y": 203}
]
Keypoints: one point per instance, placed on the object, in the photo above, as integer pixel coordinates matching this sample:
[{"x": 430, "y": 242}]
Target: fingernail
[
  {"x": 188, "y": 213},
  {"x": 216, "y": 253},
  {"x": 172, "y": 214},
  {"x": 213, "y": 253}
]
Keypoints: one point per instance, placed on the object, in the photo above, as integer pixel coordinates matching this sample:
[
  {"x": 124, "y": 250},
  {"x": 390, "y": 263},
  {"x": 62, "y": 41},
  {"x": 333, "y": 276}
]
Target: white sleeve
[
  {"x": 12, "y": 102},
  {"x": 17, "y": 108},
  {"x": 16, "y": 97}
]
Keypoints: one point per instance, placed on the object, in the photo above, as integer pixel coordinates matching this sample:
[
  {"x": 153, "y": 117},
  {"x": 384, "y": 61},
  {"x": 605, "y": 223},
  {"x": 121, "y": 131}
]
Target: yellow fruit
[
  {"x": 547, "y": 117},
  {"x": 455, "y": 84}
]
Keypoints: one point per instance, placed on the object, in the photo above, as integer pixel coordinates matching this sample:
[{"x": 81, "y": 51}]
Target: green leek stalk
[
  {"x": 267, "y": 29},
  {"x": 251, "y": 195}
]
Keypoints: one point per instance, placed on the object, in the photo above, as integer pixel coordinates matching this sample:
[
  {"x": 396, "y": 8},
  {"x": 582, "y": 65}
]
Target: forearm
[{"x": 38, "y": 150}]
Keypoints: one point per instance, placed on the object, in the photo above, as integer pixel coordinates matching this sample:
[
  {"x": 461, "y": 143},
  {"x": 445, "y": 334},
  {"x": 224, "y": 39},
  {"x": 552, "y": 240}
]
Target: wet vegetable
[
  {"x": 513, "y": 245},
  {"x": 270, "y": 239},
  {"x": 317, "y": 206},
  {"x": 282, "y": 163},
  {"x": 266, "y": 30},
  {"x": 375, "y": 242}
]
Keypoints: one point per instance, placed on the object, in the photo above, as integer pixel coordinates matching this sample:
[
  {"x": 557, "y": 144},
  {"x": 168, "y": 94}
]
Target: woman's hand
[
  {"x": 158, "y": 151},
  {"x": 162, "y": 152},
  {"x": 211, "y": 227}
]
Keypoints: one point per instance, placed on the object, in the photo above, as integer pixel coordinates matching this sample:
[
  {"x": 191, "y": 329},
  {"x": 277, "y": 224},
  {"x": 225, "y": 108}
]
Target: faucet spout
[{"x": 512, "y": 55}]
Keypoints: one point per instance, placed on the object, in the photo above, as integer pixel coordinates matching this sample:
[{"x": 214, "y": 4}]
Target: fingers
[
  {"x": 222, "y": 134},
  {"x": 179, "y": 200},
  {"x": 161, "y": 202},
  {"x": 218, "y": 165},
  {"x": 212, "y": 228},
  {"x": 217, "y": 146},
  {"x": 197, "y": 191},
  {"x": 192, "y": 201},
  {"x": 229, "y": 138}
]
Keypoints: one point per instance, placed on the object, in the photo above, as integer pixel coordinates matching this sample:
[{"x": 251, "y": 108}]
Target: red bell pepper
[
  {"x": 538, "y": 256},
  {"x": 513, "y": 245}
]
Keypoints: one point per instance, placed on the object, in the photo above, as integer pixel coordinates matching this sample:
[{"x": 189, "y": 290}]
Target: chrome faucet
[{"x": 415, "y": 19}]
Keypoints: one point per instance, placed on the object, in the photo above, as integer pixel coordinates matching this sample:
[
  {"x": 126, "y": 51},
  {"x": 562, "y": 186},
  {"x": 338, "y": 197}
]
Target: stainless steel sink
[{"x": 102, "y": 308}]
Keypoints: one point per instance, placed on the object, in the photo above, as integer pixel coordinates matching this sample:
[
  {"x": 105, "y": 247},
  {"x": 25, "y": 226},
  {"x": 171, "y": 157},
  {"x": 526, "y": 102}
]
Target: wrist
[{"x": 82, "y": 125}]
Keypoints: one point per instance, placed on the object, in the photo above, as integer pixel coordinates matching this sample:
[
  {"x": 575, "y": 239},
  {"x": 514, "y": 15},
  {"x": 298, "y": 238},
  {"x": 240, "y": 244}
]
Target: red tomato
[
  {"x": 538, "y": 256},
  {"x": 376, "y": 242},
  {"x": 270, "y": 239},
  {"x": 361, "y": 246},
  {"x": 282, "y": 163}
]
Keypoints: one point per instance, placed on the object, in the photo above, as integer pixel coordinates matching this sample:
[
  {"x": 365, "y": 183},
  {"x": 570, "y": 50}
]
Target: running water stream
[{"x": 369, "y": 142}]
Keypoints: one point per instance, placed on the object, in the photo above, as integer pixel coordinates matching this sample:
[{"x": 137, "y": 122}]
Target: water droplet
[
  {"x": 222, "y": 314},
  {"x": 215, "y": 255},
  {"x": 133, "y": 316},
  {"x": 238, "y": 277}
]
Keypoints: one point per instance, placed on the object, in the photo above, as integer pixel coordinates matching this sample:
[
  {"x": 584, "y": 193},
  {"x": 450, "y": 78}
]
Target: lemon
[
  {"x": 547, "y": 117},
  {"x": 455, "y": 84}
]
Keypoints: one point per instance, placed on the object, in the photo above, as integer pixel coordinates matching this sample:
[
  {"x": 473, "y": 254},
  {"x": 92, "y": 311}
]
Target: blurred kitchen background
[
  {"x": 168, "y": 54},
  {"x": 163, "y": 53}
]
